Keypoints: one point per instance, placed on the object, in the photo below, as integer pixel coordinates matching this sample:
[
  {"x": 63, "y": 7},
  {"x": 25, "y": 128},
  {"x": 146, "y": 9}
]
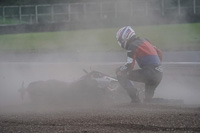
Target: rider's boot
[
  {"x": 132, "y": 92},
  {"x": 149, "y": 95}
]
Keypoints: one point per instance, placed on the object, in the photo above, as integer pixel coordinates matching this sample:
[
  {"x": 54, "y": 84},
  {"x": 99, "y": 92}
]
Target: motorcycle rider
[{"x": 148, "y": 58}]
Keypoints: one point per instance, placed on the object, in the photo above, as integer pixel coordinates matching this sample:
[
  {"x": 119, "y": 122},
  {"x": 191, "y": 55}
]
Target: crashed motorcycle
[{"x": 92, "y": 87}]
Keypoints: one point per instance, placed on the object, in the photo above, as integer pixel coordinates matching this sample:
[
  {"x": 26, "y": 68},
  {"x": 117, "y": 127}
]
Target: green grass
[
  {"x": 166, "y": 37},
  {"x": 9, "y": 21},
  {"x": 173, "y": 37}
]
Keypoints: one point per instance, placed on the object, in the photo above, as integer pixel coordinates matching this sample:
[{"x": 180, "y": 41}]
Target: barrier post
[
  {"x": 20, "y": 14},
  {"x": 194, "y": 6},
  {"x": 36, "y": 14},
  {"x": 163, "y": 7}
]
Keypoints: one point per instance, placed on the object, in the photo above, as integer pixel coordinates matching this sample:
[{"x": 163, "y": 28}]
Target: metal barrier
[{"x": 89, "y": 11}]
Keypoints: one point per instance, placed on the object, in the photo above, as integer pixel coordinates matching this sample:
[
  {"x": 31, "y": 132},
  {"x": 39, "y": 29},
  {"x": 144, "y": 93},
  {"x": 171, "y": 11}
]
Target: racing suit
[{"x": 149, "y": 60}]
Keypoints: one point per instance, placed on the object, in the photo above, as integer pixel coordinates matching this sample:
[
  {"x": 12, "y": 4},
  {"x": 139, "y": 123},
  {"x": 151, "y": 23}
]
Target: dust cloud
[
  {"x": 179, "y": 82},
  {"x": 13, "y": 74}
]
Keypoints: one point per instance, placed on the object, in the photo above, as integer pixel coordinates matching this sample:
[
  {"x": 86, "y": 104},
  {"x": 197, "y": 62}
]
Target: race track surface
[
  {"x": 126, "y": 118},
  {"x": 168, "y": 56}
]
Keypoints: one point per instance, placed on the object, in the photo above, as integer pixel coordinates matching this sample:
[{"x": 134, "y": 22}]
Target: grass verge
[{"x": 166, "y": 37}]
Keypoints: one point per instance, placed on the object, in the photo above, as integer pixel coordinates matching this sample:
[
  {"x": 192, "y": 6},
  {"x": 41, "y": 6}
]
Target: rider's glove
[{"x": 122, "y": 70}]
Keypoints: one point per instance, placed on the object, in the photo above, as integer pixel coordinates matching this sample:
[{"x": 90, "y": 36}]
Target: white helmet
[{"x": 123, "y": 35}]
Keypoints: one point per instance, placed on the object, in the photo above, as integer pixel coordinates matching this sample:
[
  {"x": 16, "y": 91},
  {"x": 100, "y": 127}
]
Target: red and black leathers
[
  {"x": 142, "y": 51},
  {"x": 148, "y": 59}
]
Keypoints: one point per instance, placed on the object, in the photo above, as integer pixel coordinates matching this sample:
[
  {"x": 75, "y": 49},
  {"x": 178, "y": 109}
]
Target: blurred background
[{"x": 52, "y": 15}]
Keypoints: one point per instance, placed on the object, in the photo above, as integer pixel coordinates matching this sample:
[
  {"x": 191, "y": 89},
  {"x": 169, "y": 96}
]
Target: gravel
[{"x": 116, "y": 118}]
